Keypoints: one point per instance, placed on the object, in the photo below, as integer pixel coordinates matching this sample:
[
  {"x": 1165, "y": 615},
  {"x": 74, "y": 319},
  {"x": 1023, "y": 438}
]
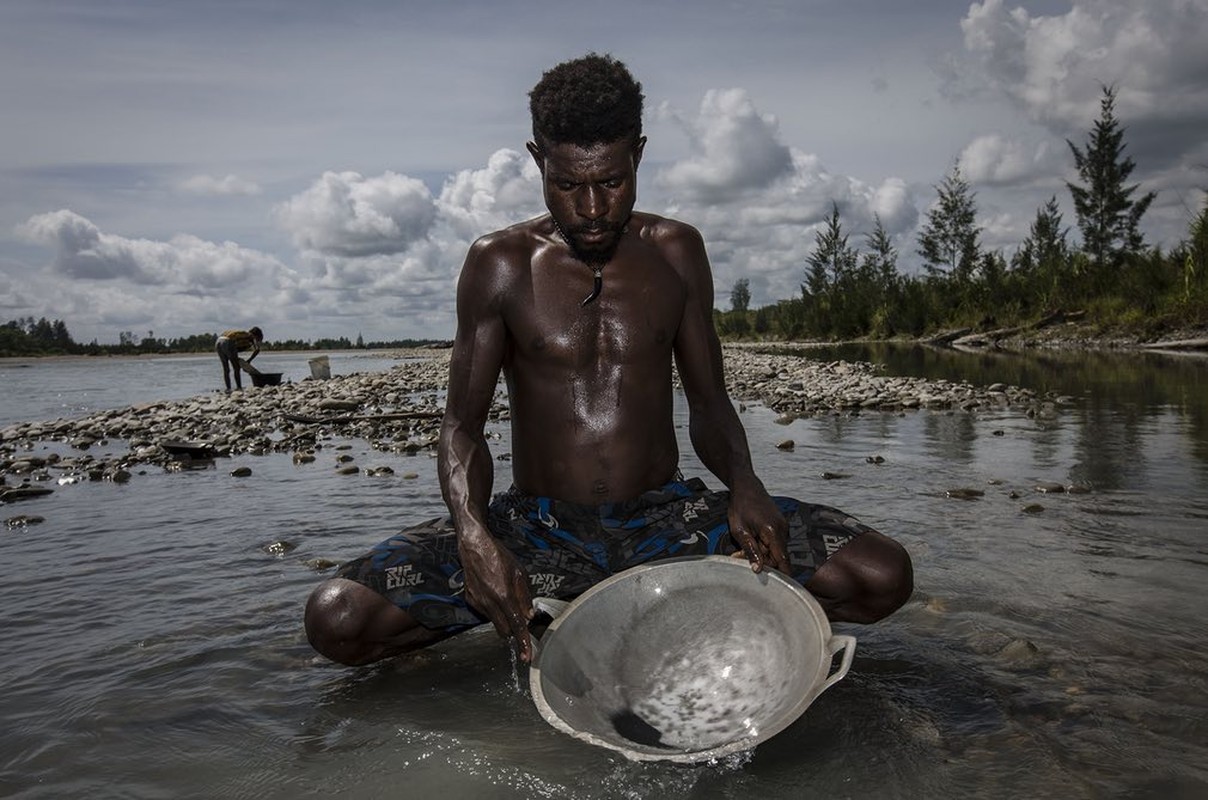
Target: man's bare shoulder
[
  {"x": 514, "y": 242},
  {"x": 499, "y": 261},
  {"x": 679, "y": 243},
  {"x": 663, "y": 231}
]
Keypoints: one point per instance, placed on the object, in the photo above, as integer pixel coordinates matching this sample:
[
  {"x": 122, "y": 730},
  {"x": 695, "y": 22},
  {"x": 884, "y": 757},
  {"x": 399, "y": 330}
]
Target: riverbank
[{"x": 398, "y": 410}]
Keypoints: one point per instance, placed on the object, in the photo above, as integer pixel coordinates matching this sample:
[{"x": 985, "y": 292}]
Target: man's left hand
[{"x": 759, "y": 529}]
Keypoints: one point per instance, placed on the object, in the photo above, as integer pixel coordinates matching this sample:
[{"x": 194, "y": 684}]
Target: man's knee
[
  {"x": 338, "y": 618},
  {"x": 890, "y": 578},
  {"x": 867, "y": 580}
]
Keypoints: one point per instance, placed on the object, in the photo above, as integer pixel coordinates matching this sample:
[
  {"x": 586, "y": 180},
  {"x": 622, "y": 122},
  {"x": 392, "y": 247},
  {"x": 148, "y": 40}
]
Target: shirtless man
[{"x": 583, "y": 310}]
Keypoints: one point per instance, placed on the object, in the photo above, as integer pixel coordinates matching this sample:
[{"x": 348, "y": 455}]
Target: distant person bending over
[
  {"x": 230, "y": 344},
  {"x": 583, "y": 310}
]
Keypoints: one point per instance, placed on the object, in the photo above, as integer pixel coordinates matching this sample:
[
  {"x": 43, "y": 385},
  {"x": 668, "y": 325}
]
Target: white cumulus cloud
[
  {"x": 346, "y": 214},
  {"x": 735, "y": 149},
  {"x": 1054, "y": 67},
  {"x": 758, "y": 201},
  {"x": 184, "y": 262},
  {"x": 476, "y": 201},
  {"x": 995, "y": 159}
]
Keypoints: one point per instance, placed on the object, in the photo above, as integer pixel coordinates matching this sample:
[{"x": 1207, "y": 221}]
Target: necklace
[{"x": 597, "y": 283}]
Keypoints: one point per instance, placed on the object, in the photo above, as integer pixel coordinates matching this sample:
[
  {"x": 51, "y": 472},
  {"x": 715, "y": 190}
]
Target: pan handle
[
  {"x": 848, "y": 645},
  {"x": 554, "y": 608},
  {"x": 549, "y": 605}
]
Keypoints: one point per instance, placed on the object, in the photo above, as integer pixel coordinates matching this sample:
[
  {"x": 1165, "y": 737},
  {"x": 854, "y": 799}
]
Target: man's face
[{"x": 590, "y": 192}]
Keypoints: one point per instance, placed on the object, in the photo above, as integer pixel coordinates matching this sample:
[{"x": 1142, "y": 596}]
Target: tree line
[
  {"x": 42, "y": 337},
  {"x": 1111, "y": 275}
]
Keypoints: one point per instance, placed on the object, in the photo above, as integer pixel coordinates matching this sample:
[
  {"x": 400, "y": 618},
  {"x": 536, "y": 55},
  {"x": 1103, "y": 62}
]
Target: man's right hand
[{"x": 498, "y": 589}]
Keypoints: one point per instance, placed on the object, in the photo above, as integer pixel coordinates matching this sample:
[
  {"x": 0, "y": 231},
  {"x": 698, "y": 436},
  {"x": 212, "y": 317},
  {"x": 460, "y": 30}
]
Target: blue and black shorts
[{"x": 566, "y": 548}]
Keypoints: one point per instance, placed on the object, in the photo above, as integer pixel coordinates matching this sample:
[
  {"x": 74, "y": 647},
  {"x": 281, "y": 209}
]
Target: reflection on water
[
  {"x": 151, "y": 647},
  {"x": 1123, "y": 396}
]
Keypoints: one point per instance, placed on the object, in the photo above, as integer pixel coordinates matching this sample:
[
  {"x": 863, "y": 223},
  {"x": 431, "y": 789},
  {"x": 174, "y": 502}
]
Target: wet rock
[
  {"x": 410, "y": 476},
  {"x": 936, "y": 605},
  {"x": 787, "y": 444},
  {"x": 1049, "y": 488},
  {"x": 23, "y": 520},
  {"x": 304, "y": 458},
  {"x": 11, "y": 494},
  {"x": 1033, "y": 508},
  {"x": 1020, "y": 653},
  {"x": 964, "y": 493},
  {"x": 120, "y": 476},
  {"x": 320, "y": 564},
  {"x": 279, "y": 548},
  {"x": 344, "y": 459},
  {"x": 241, "y": 472},
  {"x": 835, "y": 476},
  {"x": 988, "y": 643},
  {"x": 875, "y": 459},
  {"x": 379, "y": 471},
  {"x": 348, "y": 469}
]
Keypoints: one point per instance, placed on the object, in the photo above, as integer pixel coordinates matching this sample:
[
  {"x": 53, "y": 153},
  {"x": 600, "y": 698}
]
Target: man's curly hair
[{"x": 590, "y": 100}]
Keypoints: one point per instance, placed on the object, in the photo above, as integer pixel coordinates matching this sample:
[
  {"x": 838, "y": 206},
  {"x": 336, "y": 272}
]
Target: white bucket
[
  {"x": 320, "y": 368},
  {"x": 685, "y": 659}
]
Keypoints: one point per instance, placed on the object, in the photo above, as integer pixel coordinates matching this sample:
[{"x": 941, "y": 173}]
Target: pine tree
[
  {"x": 1045, "y": 249},
  {"x": 1108, "y": 217},
  {"x": 949, "y": 244},
  {"x": 831, "y": 259},
  {"x": 881, "y": 258}
]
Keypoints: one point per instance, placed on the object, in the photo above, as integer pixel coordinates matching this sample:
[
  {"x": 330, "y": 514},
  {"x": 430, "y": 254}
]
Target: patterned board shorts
[{"x": 565, "y": 548}]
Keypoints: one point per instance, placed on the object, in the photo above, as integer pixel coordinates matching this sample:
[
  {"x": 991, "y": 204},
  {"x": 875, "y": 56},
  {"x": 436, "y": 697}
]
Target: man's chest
[{"x": 634, "y": 318}]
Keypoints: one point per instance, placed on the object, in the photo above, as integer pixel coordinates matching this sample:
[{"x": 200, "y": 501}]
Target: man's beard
[{"x": 594, "y": 254}]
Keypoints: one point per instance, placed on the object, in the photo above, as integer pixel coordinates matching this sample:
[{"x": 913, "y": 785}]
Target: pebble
[
  {"x": 965, "y": 493},
  {"x": 23, "y": 520},
  {"x": 241, "y": 472},
  {"x": 786, "y": 379},
  {"x": 398, "y": 411},
  {"x": 256, "y": 420},
  {"x": 278, "y": 548},
  {"x": 1020, "y": 652}
]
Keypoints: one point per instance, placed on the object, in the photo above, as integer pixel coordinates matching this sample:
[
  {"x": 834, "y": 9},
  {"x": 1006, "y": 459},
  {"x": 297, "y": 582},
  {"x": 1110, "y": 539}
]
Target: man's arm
[
  {"x": 495, "y": 585},
  {"x": 717, "y": 435}
]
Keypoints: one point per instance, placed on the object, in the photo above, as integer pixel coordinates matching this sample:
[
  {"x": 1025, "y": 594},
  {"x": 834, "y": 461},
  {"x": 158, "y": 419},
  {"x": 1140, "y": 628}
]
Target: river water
[{"x": 151, "y": 643}]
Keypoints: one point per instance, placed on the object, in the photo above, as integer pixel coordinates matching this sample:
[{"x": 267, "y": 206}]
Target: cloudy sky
[{"x": 319, "y": 168}]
